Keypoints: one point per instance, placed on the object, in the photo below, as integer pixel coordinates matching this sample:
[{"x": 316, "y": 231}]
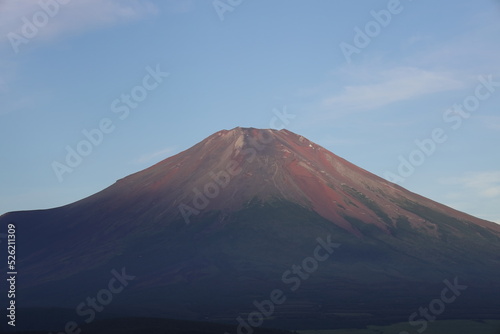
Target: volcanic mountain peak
[
  {"x": 255, "y": 202},
  {"x": 231, "y": 168}
]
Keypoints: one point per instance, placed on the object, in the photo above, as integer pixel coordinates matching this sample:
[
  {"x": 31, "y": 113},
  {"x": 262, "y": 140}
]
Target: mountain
[{"x": 252, "y": 220}]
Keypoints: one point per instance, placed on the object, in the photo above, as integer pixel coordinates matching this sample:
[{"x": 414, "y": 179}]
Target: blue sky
[{"x": 227, "y": 63}]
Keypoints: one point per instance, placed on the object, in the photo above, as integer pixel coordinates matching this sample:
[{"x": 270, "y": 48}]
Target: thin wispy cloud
[
  {"x": 61, "y": 21},
  {"x": 476, "y": 191},
  {"x": 414, "y": 40},
  {"x": 429, "y": 66},
  {"x": 74, "y": 17},
  {"x": 490, "y": 122},
  {"x": 158, "y": 155},
  {"x": 470, "y": 53},
  {"x": 393, "y": 85},
  {"x": 481, "y": 184}
]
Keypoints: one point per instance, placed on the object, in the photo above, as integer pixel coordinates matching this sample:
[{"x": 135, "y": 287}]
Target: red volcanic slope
[
  {"x": 230, "y": 168},
  {"x": 231, "y": 245}
]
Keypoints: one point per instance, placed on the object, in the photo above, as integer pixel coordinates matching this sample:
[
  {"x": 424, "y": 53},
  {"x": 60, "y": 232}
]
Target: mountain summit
[
  {"x": 245, "y": 163},
  {"x": 216, "y": 227}
]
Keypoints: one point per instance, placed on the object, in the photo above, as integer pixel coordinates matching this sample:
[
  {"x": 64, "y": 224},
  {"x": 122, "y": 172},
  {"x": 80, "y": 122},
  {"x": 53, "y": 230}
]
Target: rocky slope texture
[{"x": 214, "y": 228}]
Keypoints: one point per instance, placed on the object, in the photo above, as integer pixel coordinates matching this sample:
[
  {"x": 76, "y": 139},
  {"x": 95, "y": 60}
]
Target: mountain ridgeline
[{"x": 263, "y": 221}]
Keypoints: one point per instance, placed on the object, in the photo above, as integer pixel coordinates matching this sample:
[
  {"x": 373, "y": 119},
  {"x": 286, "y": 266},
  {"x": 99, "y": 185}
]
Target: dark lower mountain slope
[
  {"x": 134, "y": 325},
  {"x": 222, "y": 225}
]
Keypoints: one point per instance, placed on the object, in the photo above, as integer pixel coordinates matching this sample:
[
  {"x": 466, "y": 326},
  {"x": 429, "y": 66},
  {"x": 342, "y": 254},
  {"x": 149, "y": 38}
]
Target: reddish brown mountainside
[
  {"x": 211, "y": 229},
  {"x": 229, "y": 168}
]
